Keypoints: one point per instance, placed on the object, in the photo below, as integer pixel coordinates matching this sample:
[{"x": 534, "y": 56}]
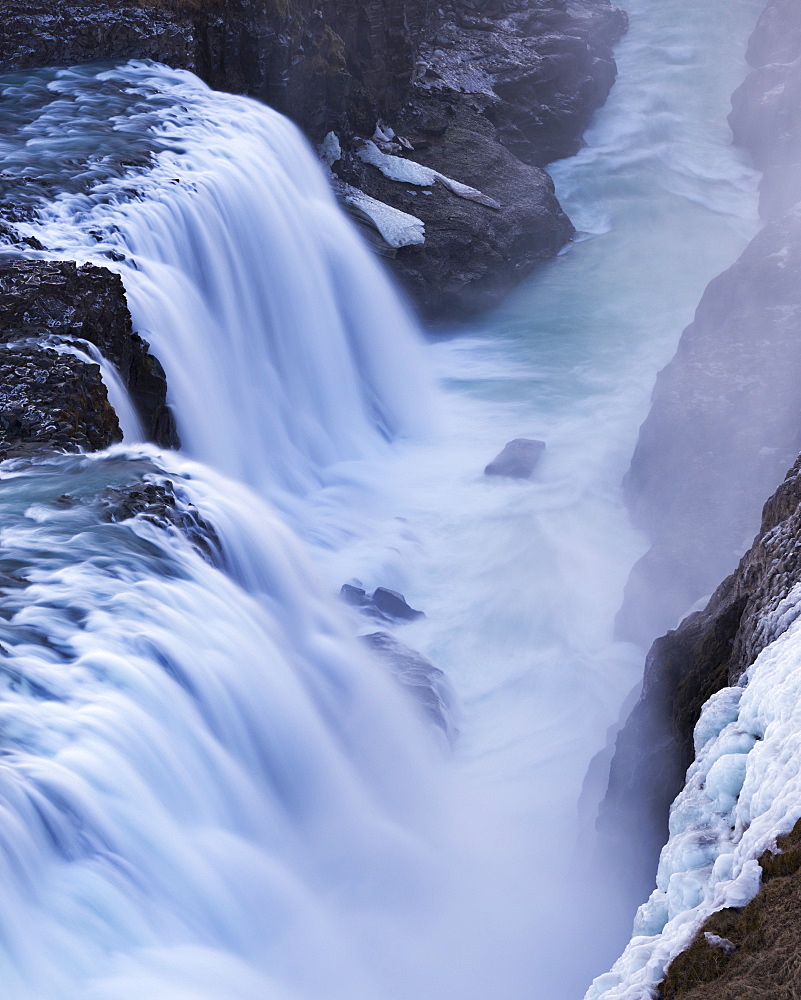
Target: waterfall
[
  {"x": 211, "y": 790},
  {"x": 285, "y": 349}
]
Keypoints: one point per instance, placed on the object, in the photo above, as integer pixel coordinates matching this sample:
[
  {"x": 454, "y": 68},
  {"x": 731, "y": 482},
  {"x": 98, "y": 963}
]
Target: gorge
[{"x": 217, "y": 411}]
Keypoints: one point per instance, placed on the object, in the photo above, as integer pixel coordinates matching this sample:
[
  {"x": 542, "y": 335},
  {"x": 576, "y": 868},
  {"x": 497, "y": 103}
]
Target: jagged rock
[
  {"x": 764, "y": 115},
  {"x": 710, "y": 650},
  {"x": 383, "y": 604},
  {"x": 518, "y": 459},
  {"x": 47, "y": 299},
  {"x": 52, "y": 401},
  {"x": 427, "y": 683}
]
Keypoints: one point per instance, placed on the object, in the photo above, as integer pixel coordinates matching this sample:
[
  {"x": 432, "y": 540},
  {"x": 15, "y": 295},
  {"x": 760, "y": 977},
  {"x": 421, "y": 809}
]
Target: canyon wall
[{"x": 723, "y": 428}]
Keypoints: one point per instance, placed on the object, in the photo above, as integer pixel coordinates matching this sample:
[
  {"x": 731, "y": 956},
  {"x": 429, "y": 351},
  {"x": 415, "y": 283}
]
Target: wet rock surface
[
  {"x": 709, "y": 650},
  {"x": 764, "y": 115},
  {"x": 500, "y": 89},
  {"x": 723, "y": 425},
  {"x": 162, "y": 505},
  {"x": 723, "y": 428},
  {"x": 53, "y": 400}
]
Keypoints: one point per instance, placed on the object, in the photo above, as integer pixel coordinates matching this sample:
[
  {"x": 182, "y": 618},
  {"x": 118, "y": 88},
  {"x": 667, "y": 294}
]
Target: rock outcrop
[
  {"x": 710, "y": 650},
  {"x": 52, "y": 399}
]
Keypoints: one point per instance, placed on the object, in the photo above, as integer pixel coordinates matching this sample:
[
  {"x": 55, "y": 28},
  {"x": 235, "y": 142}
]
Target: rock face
[
  {"x": 165, "y": 507},
  {"x": 383, "y": 604},
  {"x": 500, "y": 90},
  {"x": 710, "y": 650},
  {"x": 723, "y": 424},
  {"x": 489, "y": 91},
  {"x": 723, "y": 428},
  {"x": 52, "y": 399},
  {"x": 427, "y": 684}
]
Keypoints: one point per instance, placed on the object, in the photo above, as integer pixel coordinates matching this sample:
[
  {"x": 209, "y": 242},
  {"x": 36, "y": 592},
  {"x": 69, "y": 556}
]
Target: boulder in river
[
  {"x": 518, "y": 459},
  {"x": 384, "y": 604}
]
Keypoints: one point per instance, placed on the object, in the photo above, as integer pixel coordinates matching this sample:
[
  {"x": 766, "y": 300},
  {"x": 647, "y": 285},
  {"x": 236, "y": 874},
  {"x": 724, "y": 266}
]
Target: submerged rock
[
  {"x": 428, "y": 684},
  {"x": 163, "y": 505},
  {"x": 518, "y": 459}
]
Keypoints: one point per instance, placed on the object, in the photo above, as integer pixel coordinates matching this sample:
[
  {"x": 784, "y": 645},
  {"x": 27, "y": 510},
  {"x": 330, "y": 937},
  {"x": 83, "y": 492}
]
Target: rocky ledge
[{"x": 53, "y": 398}]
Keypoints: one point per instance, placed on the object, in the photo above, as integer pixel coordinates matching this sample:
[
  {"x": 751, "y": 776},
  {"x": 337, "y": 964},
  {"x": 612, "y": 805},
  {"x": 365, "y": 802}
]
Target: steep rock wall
[
  {"x": 722, "y": 428},
  {"x": 724, "y": 425}
]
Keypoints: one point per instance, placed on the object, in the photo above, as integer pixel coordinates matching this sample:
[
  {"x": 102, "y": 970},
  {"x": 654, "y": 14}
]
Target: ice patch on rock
[
  {"x": 397, "y": 229},
  {"x": 741, "y": 793},
  {"x": 397, "y": 168}
]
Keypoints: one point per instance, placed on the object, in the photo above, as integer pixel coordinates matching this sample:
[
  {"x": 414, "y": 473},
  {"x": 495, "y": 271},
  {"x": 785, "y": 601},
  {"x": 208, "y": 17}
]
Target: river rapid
[{"x": 211, "y": 790}]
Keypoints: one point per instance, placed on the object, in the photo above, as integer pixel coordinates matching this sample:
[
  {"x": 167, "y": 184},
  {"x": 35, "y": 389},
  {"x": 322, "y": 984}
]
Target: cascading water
[
  {"x": 210, "y": 790},
  {"x": 286, "y": 351}
]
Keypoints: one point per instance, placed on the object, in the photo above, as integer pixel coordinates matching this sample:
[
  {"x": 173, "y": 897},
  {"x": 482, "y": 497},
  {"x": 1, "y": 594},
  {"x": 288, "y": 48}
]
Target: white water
[{"x": 234, "y": 801}]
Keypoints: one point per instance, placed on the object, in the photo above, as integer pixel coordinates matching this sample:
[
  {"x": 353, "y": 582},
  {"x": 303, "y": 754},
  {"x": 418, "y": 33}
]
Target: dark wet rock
[
  {"x": 51, "y": 401},
  {"x": 500, "y": 90},
  {"x": 518, "y": 459},
  {"x": 722, "y": 430},
  {"x": 710, "y": 650},
  {"x": 166, "y": 507},
  {"x": 541, "y": 68},
  {"x": 66, "y": 405},
  {"x": 383, "y": 604},
  {"x": 472, "y": 254},
  {"x": 67, "y": 32},
  {"x": 723, "y": 424},
  {"x": 393, "y": 604},
  {"x": 428, "y": 684}
]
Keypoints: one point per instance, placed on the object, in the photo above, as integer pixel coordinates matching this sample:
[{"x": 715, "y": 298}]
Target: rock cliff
[{"x": 723, "y": 427}]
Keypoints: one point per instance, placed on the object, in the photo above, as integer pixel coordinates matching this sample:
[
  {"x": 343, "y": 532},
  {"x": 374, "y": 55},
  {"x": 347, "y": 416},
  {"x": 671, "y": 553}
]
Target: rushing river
[{"x": 210, "y": 789}]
